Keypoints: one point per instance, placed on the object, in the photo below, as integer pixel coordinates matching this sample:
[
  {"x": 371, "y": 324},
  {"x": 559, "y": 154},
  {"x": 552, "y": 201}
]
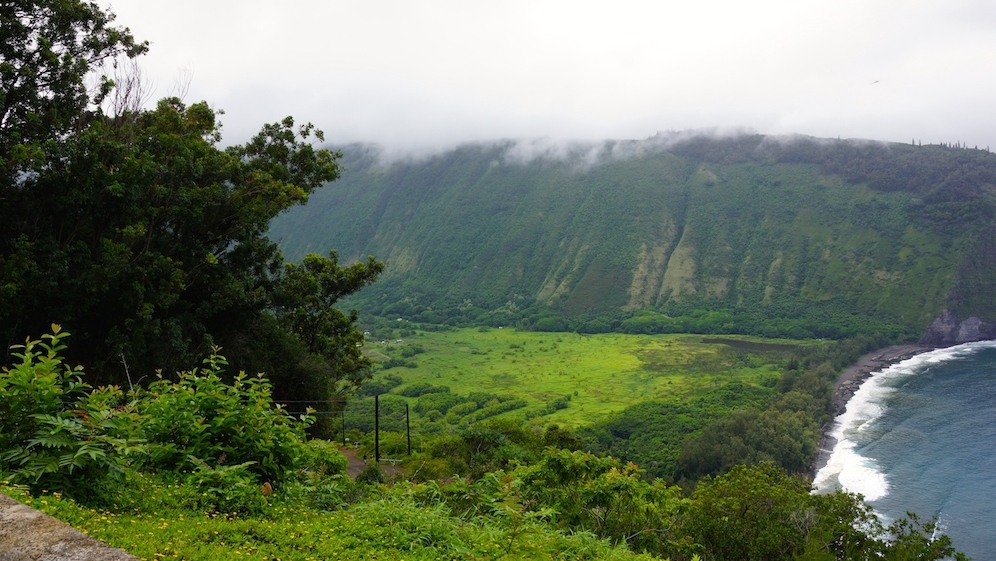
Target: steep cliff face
[
  {"x": 948, "y": 329},
  {"x": 863, "y": 235},
  {"x": 970, "y": 312}
]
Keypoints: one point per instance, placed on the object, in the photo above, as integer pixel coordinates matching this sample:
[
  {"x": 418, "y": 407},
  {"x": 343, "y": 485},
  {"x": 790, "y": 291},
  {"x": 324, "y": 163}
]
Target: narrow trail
[{"x": 357, "y": 464}]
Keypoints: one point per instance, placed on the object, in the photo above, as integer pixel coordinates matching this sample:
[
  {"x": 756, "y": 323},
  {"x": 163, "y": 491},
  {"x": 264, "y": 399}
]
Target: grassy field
[{"x": 601, "y": 373}]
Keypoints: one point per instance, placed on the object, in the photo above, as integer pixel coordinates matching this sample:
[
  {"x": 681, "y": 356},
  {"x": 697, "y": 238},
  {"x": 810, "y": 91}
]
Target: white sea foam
[{"x": 855, "y": 428}]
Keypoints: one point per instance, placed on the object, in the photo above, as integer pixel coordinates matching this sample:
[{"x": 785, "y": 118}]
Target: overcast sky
[{"x": 433, "y": 73}]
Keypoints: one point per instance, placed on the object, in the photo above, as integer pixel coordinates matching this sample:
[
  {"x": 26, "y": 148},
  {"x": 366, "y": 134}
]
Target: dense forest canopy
[{"x": 775, "y": 236}]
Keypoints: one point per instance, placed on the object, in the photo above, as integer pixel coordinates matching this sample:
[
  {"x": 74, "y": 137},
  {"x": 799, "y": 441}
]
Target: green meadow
[{"x": 602, "y": 373}]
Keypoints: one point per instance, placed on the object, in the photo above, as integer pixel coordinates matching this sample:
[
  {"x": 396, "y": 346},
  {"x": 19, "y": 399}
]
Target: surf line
[{"x": 866, "y": 389}]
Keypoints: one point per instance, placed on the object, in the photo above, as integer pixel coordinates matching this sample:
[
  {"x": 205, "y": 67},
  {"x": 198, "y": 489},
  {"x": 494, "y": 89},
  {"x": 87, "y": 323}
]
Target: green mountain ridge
[{"x": 787, "y": 236}]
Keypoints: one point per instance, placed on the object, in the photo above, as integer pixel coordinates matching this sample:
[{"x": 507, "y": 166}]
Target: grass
[
  {"x": 393, "y": 526},
  {"x": 602, "y": 373}
]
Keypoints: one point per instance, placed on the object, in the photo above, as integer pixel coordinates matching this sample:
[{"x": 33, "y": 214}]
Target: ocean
[{"x": 920, "y": 436}]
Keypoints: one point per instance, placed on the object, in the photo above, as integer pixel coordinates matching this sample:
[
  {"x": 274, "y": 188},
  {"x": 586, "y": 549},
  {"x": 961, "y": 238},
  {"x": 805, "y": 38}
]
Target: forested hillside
[{"x": 795, "y": 237}]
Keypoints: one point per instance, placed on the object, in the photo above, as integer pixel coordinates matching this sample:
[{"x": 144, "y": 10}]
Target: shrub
[
  {"x": 483, "y": 398},
  {"x": 600, "y": 495},
  {"x": 232, "y": 490},
  {"x": 562, "y": 438},
  {"x": 441, "y": 402},
  {"x": 55, "y": 435},
  {"x": 419, "y": 389},
  {"x": 371, "y": 388},
  {"x": 495, "y": 409},
  {"x": 370, "y": 475},
  {"x": 412, "y": 350},
  {"x": 324, "y": 457},
  {"x": 562, "y": 402},
  {"x": 202, "y": 416},
  {"x": 461, "y": 409},
  {"x": 38, "y": 384},
  {"x": 396, "y": 362}
]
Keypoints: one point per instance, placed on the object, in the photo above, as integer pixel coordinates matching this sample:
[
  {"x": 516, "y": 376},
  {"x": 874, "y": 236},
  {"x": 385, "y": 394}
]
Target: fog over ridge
[
  {"x": 584, "y": 154},
  {"x": 435, "y": 74}
]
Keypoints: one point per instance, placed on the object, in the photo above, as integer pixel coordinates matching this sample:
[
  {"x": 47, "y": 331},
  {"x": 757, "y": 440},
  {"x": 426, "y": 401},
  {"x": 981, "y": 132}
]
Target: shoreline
[{"x": 850, "y": 380}]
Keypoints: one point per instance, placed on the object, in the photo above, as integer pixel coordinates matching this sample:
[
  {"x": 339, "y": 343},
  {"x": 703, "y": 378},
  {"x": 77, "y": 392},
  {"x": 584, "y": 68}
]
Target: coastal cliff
[{"x": 949, "y": 329}]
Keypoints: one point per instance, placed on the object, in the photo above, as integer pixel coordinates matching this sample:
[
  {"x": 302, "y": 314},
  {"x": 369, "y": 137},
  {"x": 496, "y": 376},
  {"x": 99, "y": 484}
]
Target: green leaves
[
  {"x": 52, "y": 427},
  {"x": 280, "y": 156},
  {"x": 203, "y": 417},
  {"x": 149, "y": 241},
  {"x": 135, "y": 229},
  {"x": 230, "y": 489},
  {"x": 48, "y": 48},
  {"x": 748, "y": 437},
  {"x": 745, "y": 514},
  {"x": 37, "y": 385},
  {"x": 57, "y": 433},
  {"x": 575, "y": 492},
  {"x": 305, "y": 299},
  {"x": 761, "y": 512}
]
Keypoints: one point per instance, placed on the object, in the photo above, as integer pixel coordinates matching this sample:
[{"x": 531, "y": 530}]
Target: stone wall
[{"x": 27, "y": 534}]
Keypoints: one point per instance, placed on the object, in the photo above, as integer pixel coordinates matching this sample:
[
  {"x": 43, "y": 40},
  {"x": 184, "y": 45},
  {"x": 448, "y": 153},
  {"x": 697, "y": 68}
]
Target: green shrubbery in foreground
[{"x": 197, "y": 468}]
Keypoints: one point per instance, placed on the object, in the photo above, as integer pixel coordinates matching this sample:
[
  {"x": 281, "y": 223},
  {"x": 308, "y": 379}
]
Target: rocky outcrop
[
  {"x": 27, "y": 534},
  {"x": 948, "y": 329}
]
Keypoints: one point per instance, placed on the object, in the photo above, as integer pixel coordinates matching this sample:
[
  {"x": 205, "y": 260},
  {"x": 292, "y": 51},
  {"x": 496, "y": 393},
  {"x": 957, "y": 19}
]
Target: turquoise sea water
[{"x": 921, "y": 436}]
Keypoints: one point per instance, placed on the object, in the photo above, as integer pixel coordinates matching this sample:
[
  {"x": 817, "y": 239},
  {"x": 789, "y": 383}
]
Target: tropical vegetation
[
  {"x": 135, "y": 230},
  {"x": 185, "y": 419},
  {"x": 227, "y": 472}
]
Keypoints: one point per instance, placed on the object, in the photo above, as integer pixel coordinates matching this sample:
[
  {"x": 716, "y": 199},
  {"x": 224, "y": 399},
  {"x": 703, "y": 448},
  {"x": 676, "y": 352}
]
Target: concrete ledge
[{"x": 29, "y": 535}]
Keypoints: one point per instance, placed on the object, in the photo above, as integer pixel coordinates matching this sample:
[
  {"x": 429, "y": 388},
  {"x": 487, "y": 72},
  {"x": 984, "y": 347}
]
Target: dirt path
[{"x": 358, "y": 464}]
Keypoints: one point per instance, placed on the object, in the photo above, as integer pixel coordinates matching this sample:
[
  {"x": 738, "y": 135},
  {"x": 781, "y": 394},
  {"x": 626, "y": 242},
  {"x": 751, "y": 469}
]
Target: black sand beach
[{"x": 851, "y": 379}]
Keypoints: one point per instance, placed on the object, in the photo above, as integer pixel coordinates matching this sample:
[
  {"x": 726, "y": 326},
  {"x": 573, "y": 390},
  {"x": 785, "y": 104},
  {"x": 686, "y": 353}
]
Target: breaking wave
[{"x": 847, "y": 467}]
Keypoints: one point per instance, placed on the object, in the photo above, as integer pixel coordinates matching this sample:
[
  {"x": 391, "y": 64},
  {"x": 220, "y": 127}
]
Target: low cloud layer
[{"x": 435, "y": 73}]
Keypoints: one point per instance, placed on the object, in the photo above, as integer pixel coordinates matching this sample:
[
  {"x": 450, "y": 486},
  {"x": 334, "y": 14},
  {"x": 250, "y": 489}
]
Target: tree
[
  {"x": 604, "y": 496},
  {"x": 134, "y": 229},
  {"x": 763, "y": 512},
  {"x": 47, "y": 49},
  {"x": 748, "y": 436},
  {"x": 305, "y": 299}
]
